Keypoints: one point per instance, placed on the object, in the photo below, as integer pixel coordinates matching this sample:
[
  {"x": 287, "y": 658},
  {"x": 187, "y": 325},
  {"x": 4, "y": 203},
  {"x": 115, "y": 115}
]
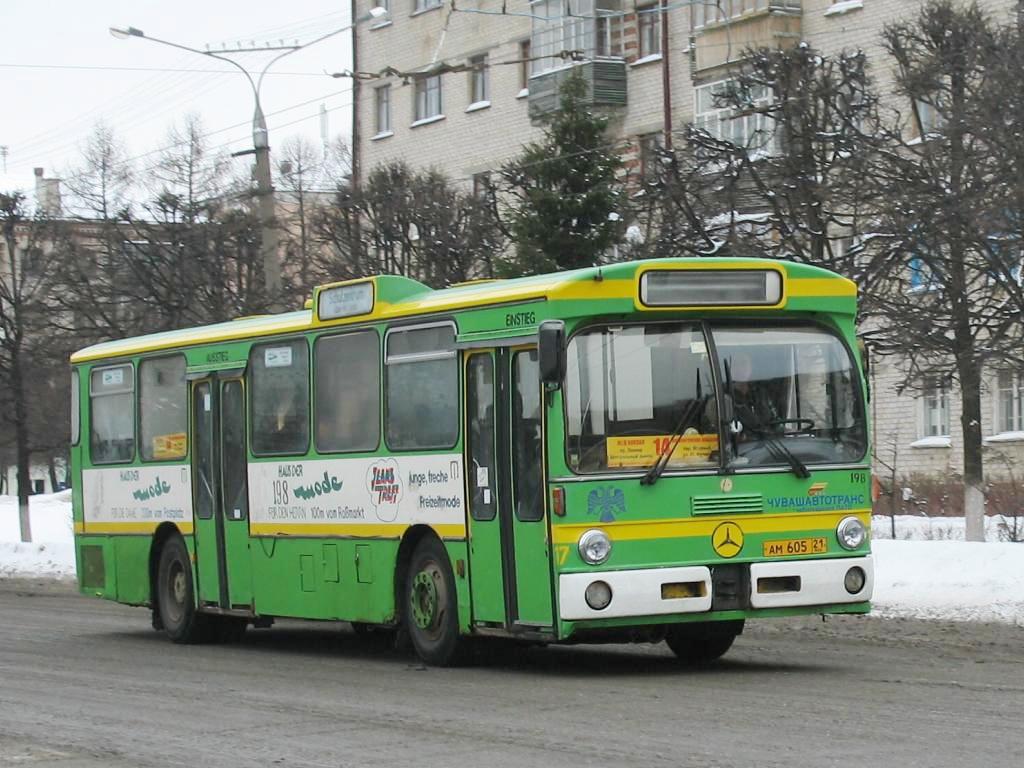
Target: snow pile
[
  {"x": 52, "y": 551},
  {"x": 955, "y": 580}
]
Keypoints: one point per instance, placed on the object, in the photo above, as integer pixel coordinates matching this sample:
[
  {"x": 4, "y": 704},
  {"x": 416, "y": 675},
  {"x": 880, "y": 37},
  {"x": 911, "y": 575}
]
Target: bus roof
[{"x": 396, "y": 296}]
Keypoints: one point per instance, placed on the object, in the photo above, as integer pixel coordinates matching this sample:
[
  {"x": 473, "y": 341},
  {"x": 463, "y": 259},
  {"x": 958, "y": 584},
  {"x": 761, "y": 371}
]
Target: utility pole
[
  {"x": 666, "y": 77},
  {"x": 260, "y": 138}
]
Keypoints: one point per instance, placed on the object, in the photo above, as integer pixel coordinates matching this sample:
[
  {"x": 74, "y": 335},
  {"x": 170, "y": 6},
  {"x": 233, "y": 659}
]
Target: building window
[
  {"x": 524, "y": 65},
  {"x": 428, "y": 97},
  {"x": 594, "y": 28},
  {"x": 382, "y": 103},
  {"x": 481, "y": 185},
  {"x": 650, "y": 145},
  {"x": 425, "y": 5},
  {"x": 649, "y": 29},
  {"x": 935, "y": 401},
  {"x": 479, "y": 79},
  {"x": 723, "y": 10},
  {"x": 922, "y": 276},
  {"x": 1008, "y": 403},
  {"x": 744, "y": 128},
  {"x": 929, "y": 119}
]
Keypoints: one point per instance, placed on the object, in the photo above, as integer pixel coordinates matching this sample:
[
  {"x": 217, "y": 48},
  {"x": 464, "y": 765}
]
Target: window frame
[
  {"x": 422, "y": 6},
  {"x": 314, "y": 401},
  {"x": 479, "y": 75},
  {"x": 130, "y": 364},
  {"x": 648, "y": 19},
  {"x": 138, "y": 410},
  {"x": 422, "y": 88},
  {"x": 250, "y": 391},
  {"x": 378, "y": 102},
  {"x": 1016, "y": 401},
  {"x": 718, "y": 116},
  {"x": 421, "y": 358},
  {"x": 935, "y": 389}
]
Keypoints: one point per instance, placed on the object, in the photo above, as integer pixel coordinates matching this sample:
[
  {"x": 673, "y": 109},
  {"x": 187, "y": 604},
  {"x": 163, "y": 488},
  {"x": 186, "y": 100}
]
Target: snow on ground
[
  {"x": 52, "y": 551},
  {"x": 927, "y": 572}
]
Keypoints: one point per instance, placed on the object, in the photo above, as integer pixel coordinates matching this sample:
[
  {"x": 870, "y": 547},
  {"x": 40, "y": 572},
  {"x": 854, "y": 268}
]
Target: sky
[{"x": 63, "y": 72}]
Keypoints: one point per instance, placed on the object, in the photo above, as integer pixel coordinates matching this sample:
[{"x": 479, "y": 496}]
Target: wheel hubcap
[
  {"x": 178, "y": 587},
  {"x": 424, "y": 598}
]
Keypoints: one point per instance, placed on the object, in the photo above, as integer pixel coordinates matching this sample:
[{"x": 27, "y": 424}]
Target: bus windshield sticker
[
  {"x": 277, "y": 357},
  {"x": 113, "y": 377}
]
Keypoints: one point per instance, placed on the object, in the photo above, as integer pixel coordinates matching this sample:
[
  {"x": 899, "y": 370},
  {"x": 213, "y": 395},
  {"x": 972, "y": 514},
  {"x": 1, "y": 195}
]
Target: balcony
[
  {"x": 722, "y": 39},
  {"x": 590, "y": 42}
]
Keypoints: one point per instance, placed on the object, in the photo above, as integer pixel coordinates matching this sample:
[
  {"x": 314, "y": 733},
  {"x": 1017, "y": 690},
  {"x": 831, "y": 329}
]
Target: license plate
[{"x": 792, "y": 547}]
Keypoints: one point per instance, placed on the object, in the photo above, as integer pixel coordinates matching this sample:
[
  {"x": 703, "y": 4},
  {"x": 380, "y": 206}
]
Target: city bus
[{"x": 645, "y": 451}]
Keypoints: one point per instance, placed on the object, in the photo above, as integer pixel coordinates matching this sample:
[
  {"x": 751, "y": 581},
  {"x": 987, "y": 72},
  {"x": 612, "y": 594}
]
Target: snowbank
[
  {"x": 52, "y": 551},
  {"x": 956, "y": 580},
  {"x": 928, "y": 572},
  {"x": 921, "y": 528}
]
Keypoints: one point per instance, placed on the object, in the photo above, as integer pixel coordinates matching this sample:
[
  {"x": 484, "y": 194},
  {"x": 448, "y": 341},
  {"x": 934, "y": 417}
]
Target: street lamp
[{"x": 261, "y": 145}]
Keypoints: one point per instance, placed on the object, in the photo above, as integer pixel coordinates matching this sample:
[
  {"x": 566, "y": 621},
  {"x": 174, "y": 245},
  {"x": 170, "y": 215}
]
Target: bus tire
[
  {"x": 431, "y": 607},
  {"x": 176, "y": 595},
  {"x": 698, "y": 645}
]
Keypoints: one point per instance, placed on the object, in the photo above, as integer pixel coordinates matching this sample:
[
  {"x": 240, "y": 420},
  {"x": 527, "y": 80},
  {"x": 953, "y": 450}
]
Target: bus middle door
[
  {"x": 220, "y": 467},
  {"x": 510, "y": 561}
]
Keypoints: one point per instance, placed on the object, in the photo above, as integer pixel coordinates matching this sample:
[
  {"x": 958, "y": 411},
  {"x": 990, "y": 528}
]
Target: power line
[{"x": 104, "y": 68}]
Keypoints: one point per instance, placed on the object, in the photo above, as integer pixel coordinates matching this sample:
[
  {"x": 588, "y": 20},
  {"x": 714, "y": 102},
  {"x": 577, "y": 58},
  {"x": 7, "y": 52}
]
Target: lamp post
[{"x": 260, "y": 142}]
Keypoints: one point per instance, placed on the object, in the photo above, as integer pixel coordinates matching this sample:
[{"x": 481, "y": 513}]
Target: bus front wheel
[
  {"x": 700, "y": 644},
  {"x": 176, "y": 595},
  {"x": 431, "y": 607}
]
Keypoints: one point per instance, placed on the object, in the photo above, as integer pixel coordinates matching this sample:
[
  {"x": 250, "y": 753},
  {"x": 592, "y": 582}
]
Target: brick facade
[{"x": 463, "y": 144}]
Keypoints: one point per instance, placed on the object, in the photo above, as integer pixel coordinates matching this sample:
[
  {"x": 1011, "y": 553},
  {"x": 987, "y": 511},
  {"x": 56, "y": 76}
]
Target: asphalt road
[{"x": 86, "y": 683}]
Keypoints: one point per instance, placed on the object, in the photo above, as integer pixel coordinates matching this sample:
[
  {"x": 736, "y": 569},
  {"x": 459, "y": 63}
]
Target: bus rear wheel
[
  {"x": 431, "y": 607},
  {"x": 698, "y": 645},
  {"x": 176, "y": 595}
]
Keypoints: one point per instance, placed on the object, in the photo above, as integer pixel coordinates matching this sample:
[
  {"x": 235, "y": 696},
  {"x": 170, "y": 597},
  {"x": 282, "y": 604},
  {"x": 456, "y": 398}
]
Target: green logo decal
[
  {"x": 158, "y": 488},
  {"x": 319, "y": 488}
]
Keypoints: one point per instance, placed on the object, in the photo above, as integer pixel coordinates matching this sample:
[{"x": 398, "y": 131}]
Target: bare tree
[
  {"x": 405, "y": 222},
  {"x": 24, "y": 312},
  {"x": 952, "y": 218}
]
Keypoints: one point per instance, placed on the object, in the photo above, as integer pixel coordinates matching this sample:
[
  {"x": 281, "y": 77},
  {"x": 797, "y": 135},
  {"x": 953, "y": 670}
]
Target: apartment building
[{"x": 487, "y": 68}]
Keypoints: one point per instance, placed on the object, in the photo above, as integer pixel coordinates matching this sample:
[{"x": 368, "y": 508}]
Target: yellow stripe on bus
[
  {"x": 629, "y": 530},
  {"x": 134, "y": 528},
  {"x": 810, "y": 287},
  {"x": 356, "y": 530}
]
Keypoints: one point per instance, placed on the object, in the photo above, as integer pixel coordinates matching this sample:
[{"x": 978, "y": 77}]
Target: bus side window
[
  {"x": 279, "y": 397},
  {"x": 347, "y": 398},
  {"x": 163, "y": 409},
  {"x": 112, "y": 406},
  {"x": 422, "y": 388}
]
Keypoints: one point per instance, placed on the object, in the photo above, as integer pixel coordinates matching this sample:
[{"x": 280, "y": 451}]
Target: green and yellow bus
[{"x": 644, "y": 451}]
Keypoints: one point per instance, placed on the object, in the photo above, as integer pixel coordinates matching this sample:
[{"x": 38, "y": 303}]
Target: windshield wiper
[
  {"x": 658, "y": 467},
  {"x": 779, "y": 451}
]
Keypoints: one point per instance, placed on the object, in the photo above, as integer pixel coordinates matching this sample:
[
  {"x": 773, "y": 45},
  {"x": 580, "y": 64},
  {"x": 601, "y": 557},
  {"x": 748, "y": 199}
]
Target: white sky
[{"x": 48, "y": 112}]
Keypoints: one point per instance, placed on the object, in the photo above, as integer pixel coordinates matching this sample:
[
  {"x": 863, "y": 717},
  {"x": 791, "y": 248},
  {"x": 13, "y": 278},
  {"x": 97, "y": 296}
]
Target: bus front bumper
[{"x": 689, "y": 589}]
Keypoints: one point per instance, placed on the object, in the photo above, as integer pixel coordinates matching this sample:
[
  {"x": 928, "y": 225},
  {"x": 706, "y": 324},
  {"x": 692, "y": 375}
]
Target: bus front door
[
  {"x": 510, "y": 562},
  {"x": 220, "y": 468}
]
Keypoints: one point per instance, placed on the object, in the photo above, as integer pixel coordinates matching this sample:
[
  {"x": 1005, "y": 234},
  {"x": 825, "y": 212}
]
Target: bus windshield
[{"x": 634, "y": 392}]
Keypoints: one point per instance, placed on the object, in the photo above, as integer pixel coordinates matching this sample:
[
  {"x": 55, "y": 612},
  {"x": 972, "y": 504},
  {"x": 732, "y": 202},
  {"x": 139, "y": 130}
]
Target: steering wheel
[{"x": 803, "y": 425}]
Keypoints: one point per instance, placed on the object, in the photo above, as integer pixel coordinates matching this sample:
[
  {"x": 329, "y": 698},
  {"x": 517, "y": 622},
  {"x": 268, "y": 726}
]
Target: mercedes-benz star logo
[{"x": 727, "y": 540}]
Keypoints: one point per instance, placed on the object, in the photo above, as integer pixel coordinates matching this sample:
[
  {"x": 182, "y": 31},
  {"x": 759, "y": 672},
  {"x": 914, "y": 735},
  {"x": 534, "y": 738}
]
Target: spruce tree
[{"x": 563, "y": 199}]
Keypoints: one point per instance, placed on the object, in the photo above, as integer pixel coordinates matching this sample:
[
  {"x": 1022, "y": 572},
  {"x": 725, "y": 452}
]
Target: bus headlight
[
  {"x": 595, "y": 546},
  {"x": 850, "y": 533}
]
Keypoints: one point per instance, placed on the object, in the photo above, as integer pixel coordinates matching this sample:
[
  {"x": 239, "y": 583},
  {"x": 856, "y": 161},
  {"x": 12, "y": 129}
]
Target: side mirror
[{"x": 551, "y": 353}]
